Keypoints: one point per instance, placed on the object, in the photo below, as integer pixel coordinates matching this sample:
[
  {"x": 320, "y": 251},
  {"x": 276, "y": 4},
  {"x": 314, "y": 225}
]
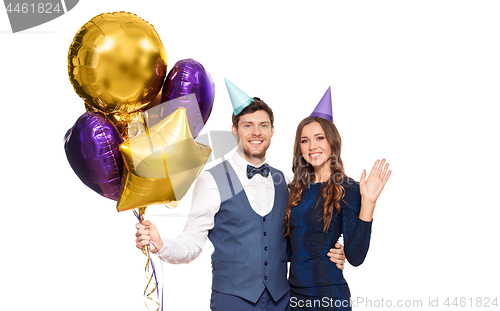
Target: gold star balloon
[
  {"x": 117, "y": 63},
  {"x": 161, "y": 162}
]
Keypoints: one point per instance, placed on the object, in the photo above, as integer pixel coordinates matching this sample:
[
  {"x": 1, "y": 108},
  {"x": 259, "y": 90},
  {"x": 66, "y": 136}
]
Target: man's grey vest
[{"x": 250, "y": 250}]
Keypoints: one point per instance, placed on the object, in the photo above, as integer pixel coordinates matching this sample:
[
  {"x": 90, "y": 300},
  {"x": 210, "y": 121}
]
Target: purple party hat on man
[
  {"x": 239, "y": 99},
  {"x": 324, "y": 107}
]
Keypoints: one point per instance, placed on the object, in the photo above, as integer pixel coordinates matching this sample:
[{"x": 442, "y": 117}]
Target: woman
[{"x": 323, "y": 204}]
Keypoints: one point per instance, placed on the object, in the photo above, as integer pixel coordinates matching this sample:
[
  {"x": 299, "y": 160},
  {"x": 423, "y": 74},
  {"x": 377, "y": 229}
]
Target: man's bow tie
[{"x": 263, "y": 170}]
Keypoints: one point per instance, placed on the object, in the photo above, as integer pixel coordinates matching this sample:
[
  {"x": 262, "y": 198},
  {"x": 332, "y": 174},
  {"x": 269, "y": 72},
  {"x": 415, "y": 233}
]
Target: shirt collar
[{"x": 242, "y": 163}]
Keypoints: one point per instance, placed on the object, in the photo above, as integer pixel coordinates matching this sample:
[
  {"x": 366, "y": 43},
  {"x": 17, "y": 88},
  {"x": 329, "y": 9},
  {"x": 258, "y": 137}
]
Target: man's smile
[{"x": 255, "y": 141}]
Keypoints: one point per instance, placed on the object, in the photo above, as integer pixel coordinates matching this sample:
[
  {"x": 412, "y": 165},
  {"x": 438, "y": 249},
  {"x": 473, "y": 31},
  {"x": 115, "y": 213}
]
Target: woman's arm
[
  {"x": 356, "y": 231},
  {"x": 357, "y": 218}
]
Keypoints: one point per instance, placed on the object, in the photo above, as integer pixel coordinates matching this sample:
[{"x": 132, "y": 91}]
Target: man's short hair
[{"x": 255, "y": 105}]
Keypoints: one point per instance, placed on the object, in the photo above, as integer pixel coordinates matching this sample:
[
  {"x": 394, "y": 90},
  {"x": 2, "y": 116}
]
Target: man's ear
[
  {"x": 234, "y": 130},
  {"x": 272, "y": 131}
]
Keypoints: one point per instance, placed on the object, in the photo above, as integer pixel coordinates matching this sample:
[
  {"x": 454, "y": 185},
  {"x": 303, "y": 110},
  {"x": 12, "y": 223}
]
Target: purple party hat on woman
[{"x": 324, "y": 107}]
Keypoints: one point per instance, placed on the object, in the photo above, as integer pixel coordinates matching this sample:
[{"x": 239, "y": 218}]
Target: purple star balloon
[{"x": 92, "y": 150}]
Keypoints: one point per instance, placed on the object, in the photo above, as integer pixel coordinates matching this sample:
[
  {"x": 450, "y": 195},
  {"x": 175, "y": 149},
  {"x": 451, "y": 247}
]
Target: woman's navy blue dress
[{"x": 316, "y": 282}]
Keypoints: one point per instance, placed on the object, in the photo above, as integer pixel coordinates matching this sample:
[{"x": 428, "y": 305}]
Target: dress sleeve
[
  {"x": 188, "y": 245},
  {"x": 356, "y": 232}
]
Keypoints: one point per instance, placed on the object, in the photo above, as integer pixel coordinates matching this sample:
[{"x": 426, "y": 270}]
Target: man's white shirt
[{"x": 206, "y": 203}]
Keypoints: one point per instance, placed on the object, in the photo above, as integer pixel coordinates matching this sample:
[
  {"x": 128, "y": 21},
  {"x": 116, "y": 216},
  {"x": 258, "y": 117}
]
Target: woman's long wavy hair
[{"x": 303, "y": 174}]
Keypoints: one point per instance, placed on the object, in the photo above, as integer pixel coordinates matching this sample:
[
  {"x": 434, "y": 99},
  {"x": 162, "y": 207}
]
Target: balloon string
[{"x": 150, "y": 271}]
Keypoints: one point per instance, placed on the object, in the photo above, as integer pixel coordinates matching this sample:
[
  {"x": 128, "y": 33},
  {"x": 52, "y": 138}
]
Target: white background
[{"x": 416, "y": 82}]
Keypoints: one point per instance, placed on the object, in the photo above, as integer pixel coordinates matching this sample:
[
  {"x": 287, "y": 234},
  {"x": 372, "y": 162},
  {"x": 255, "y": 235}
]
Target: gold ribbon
[{"x": 152, "y": 285}]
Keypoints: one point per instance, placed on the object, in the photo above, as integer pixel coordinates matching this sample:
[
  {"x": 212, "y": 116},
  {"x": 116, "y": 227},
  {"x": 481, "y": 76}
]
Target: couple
[{"x": 257, "y": 222}]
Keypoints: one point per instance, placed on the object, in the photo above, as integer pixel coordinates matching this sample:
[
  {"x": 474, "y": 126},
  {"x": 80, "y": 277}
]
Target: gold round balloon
[
  {"x": 117, "y": 63},
  {"x": 122, "y": 121}
]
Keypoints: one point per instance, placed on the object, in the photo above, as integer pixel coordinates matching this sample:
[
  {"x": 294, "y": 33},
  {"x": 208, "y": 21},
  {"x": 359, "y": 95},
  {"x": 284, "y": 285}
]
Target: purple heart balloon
[
  {"x": 189, "y": 77},
  {"x": 92, "y": 150}
]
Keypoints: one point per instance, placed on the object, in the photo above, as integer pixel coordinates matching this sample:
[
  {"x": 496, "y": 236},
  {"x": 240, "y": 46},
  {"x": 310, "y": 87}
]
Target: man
[{"x": 240, "y": 205}]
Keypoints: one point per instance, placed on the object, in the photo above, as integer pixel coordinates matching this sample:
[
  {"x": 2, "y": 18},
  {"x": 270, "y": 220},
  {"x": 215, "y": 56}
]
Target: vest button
[
  {"x": 264, "y": 219},
  {"x": 265, "y": 233},
  {"x": 265, "y": 277},
  {"x": 265, "y": 248},
  {"x": 265, "y": 263}
]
